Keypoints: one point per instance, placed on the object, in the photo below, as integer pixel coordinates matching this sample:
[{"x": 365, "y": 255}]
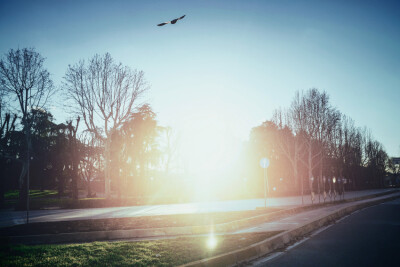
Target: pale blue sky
[{"x": 230, "y": 61}]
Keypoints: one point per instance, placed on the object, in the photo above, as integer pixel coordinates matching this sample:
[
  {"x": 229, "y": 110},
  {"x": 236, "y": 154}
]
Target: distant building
[{"x": 396, "y": 161}]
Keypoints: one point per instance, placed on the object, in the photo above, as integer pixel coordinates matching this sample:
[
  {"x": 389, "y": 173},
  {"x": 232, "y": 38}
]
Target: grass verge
[
  {"x": 166, "y": 252},
  {"x": 130, "y": 223},
  {"x": 14, "y": 194}
]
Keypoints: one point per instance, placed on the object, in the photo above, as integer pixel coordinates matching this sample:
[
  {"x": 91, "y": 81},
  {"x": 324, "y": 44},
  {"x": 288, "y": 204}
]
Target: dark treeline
[
  {"x": 111, "y": 133},
  {"x": 113, "y": 142},
  {"x": 311, "y": 145}
]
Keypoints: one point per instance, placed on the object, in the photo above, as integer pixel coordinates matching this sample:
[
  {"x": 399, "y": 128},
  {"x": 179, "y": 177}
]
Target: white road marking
[
  {"x": 341, "y": 219},
  {"x": 282, "y": 223},
  {"x": 262, "y": 261},
  {"x": 273, "y": 255},
  {"x": 297, "y": 243},
  {"x": 321, "y": 230}
]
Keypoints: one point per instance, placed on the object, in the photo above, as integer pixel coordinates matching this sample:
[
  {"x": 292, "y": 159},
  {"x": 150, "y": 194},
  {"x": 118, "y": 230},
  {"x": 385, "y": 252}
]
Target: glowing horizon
[{"x": 211, "y": 58}]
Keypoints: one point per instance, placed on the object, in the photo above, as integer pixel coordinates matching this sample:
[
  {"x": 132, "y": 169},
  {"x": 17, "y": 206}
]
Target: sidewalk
[
  {"x": 293, "y": 227},
  {"x": 293, "y": 221},
  {"x": 284, "y": 220}
]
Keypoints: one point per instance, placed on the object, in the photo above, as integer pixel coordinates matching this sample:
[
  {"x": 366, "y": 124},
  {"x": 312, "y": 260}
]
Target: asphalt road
[
  {"x": 370, "y": 237},
  {"x": 9, "y": 218}
]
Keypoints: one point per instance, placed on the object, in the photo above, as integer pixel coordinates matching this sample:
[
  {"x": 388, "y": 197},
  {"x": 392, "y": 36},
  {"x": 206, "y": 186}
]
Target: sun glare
[
  {"x": 207, "y": 146},
  {"x": 211, "y": 242},
  {"x": 210, "y": 151}
]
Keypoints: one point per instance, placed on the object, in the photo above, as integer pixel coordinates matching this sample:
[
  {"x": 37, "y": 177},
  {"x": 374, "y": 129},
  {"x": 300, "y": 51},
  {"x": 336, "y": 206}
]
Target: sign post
[{"x": 264, "y": 163}]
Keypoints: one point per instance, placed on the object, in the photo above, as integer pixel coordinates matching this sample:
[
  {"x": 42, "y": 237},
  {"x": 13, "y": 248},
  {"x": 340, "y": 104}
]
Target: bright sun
[{"x": 209, "y": 150}]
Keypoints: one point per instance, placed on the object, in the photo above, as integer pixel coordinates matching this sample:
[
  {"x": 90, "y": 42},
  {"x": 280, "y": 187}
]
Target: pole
[
  {"x": 319, "y": 192},
  {"x": 320, "y": 177},
  {"x": 27, "y": 184},
  {"x": 266, "y": 175},
  {"x": 344, "y": 188},
  {"x": 302, "y": 193},
  {"x": 265, "y": 189},
  {"x": 334, "y": 190}
]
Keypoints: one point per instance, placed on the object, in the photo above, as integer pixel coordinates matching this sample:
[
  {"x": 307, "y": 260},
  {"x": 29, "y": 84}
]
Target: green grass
[
  {"x": 144, "y": 222},
  {"x": 14, "y": 194},
  {"x": 167, "y": 252}
]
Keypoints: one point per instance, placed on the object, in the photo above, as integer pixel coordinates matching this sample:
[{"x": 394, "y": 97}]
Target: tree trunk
[
  {"x": 23, "y": 190},
  {"x": 310, "y": 167},
  {"x": 319, "y": 180},
  {"x": 61, "y": 185},
  {"x": 119, "y": 183},
  {"x": 302, "y": 190},
  {"x": 75, "y": 159},
  {"x": 74, "y": 182},
  {"x": 296, "y": 177},
  {"x": 74, "y": 185},
  {"x": 24, "y": 176},
  {"x": 89, "y": 188},
  {"x": 2, "y": 186},
  {"x": 295, "y": 171},
  {"x": 42, "y": 181},
  {"x": 107, "y": 167}
]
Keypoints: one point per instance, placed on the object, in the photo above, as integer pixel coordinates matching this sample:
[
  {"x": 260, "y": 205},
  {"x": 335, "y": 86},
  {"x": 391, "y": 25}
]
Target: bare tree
[
  {"x": 289, "y": 140},
  {"x": 314, "y": 133},
  {"x": 105, "y": 94},
  {"x": 393, "y": 167},
  {"x": 170, "y": 149},
  {"x": 74, "y": 155},
  {"x": 345, "y": 148},
  {"x": 7, "y": 125},
  {"x": 316, "y": 118},
  {"x": 90, "y": 161},
  {"x": 375, "y": 159},
  {"x": 27, "y": 85}
]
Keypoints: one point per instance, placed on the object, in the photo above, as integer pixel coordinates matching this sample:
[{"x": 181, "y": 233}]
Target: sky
[{"x": 228, "y": 64}]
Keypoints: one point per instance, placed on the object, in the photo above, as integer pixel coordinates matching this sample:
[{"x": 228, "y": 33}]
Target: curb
[
  {"x": 170, "y": 231},
  {"x": 279, "y": 241}
]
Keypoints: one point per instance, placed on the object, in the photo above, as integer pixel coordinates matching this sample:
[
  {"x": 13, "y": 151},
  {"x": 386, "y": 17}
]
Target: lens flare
[{"x": 211, "y": 242}]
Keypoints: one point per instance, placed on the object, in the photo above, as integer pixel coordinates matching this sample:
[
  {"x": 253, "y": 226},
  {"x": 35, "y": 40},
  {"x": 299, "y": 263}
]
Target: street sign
[
  {"x": 396, "y": 161},
  {"x": 264, "y": 163}
]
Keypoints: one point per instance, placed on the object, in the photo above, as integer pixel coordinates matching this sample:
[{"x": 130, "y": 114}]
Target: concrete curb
[
  {"x": 169, "y": 231},
  {"x": 279, "y": 241}
]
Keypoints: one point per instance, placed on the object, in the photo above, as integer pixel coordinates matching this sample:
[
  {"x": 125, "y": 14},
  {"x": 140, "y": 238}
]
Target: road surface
[
  {"x": 9, "y": 218},
  {"x": 370, "y": 237}
]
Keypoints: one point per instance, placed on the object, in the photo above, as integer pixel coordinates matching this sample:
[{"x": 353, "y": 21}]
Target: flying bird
[{"x": 172, "y": 21}]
